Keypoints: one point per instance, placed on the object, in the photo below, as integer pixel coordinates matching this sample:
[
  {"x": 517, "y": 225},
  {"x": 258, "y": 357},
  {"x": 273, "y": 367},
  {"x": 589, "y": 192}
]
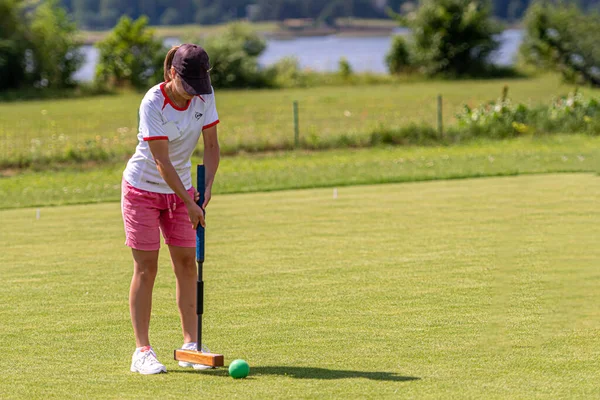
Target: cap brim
[{"x": 197, "y": 86}]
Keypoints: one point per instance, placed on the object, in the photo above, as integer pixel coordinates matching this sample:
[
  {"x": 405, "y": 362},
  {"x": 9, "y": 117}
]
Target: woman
[{"x": 157, "y": 192}]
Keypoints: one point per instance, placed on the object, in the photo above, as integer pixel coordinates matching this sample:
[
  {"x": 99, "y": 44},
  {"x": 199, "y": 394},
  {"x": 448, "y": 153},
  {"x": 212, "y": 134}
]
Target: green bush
[
  {"x": 572, "y": 113},
  {"x": 286, "y": 73},
  {"x": 450, "y": 37},
  {"x": 561, "y": 38},
  {"x": 503, "y": 119},
  {"x": 498, "y": 120},
  {"x": 234, "y": 57},
  {"x": 130, "y": 55},
  {"x": 398, "y": 58},
  {"x": 345, "y": 69},
  {"x": 423, "y": 135}
]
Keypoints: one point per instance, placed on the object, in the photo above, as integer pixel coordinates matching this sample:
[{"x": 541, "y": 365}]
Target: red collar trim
[
  {"x": 202, "y": 99},
  {"x": 168, "y": 100}
]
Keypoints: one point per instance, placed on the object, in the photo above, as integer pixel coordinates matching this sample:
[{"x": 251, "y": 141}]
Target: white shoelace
[{"x": 150, "y": 357}]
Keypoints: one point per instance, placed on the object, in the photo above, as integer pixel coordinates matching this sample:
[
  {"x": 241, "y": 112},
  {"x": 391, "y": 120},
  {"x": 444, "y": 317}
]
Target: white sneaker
[
  {"x": 145, "y": 362},
  {"x": 192, "y": 346}
]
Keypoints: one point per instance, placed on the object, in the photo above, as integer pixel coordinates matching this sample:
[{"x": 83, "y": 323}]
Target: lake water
[{"x": 324, "y": 53}]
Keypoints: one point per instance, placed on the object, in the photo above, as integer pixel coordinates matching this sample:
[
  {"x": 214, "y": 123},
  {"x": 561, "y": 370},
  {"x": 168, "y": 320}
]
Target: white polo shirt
[{"x": 161, "y": 119}]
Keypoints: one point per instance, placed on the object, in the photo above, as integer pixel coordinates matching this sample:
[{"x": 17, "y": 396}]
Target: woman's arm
[
  {"x": 211, "y": 159},
  {"x": 160, "y": 152}
]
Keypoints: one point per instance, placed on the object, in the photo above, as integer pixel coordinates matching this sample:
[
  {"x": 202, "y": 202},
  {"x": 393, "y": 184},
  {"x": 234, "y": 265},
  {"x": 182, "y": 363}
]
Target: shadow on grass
[
  {"x": 323, "y": 373},
  {"x": 309, "y": 373}
]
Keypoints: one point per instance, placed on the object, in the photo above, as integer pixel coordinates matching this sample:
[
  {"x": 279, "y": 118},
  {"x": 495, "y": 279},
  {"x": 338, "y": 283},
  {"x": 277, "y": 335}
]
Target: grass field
[
  {"x": 106, "y": 126},
  {"x": 468, "y": 289},
  {"x": 292, "y": 170}
]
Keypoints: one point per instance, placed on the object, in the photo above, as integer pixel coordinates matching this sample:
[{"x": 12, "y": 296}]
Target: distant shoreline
[
  {"x": 282, "y": 35},
  {"x": 270, "y": 30}
]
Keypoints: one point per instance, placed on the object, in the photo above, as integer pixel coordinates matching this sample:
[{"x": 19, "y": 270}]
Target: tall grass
[{"x": 105, "y": 128}]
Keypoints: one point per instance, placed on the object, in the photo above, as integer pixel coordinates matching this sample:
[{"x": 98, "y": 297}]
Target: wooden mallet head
[{"x": 198, "y": 357}]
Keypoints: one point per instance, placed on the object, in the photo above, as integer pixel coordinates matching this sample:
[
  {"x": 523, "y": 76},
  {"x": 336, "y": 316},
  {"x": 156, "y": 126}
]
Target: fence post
[
  {"x": 440, "y": 116},
  {"x": 296, "y": 125}
]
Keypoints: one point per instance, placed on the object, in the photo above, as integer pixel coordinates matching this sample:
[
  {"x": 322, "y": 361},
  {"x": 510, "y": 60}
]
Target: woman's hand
[
  {"x": 207, "y": 196},
  {"x": 196, "y": 214}
]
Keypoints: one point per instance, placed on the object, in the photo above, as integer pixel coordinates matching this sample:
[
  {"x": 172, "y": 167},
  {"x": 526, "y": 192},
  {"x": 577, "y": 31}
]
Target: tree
[
  {"x": 331, "y": 12},
  {"x": 55, "y": 46},
  {"x": 109, "y": 12},
  {"x": 13, "y": 45},
  {"x": 38, "y": 45},
  {"x": 563, "y": 39},
  {"x": 130, "y": 55},
  {"x": 170, "y": 17},
  {"x": 104, "y": 13},
  {"x": 452, "y": 37},
  {"x": 85, "y": 12}
]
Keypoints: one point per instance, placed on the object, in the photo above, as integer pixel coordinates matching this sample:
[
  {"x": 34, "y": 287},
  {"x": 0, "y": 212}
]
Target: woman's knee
[
  {"x": 145, "y": 264},
  {"x": 185, "y": 265},
  {"x": 145, "y": 270},
  {"x": 146, "y": 274}
]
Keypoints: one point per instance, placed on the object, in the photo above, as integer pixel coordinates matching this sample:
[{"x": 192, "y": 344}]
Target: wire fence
[
  {"x": 105, "y": 127},
  {"x": 36, "y": 134}
]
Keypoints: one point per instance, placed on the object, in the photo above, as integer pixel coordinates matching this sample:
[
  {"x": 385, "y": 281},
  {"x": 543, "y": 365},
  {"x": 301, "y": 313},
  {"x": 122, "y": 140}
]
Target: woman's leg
[
  {"x": 184, "y": 266},
  {"x": 145, "y": 266}
]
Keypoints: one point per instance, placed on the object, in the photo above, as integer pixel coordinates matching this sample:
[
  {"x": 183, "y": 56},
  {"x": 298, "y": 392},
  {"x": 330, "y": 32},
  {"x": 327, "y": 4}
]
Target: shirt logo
[{"x": 198, "y": 116}]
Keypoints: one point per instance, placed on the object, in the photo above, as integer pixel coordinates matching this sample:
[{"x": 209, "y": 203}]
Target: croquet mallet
[{"x": 197, "y": 356}]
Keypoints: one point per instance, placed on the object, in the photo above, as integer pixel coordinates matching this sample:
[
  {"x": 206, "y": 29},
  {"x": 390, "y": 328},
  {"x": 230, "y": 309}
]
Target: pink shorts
[{"x": 145, "y": 213}]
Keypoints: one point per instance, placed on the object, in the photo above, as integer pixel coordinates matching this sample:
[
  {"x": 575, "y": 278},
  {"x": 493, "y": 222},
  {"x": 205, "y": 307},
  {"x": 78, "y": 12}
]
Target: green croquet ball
[{"x": 239, "y": 369}]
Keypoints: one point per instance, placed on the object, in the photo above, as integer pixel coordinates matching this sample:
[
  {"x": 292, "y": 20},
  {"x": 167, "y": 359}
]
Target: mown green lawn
[
  {"x": 299, "y": 169},
  {"x": 467, "y": 289},
  {"x": 257, "y": 119}
]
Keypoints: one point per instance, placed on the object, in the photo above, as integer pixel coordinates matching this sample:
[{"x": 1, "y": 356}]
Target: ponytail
[{"x": 169, "y": 61}]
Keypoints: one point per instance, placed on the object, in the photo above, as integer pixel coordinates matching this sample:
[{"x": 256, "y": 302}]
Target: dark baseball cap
[{"x": 192, "y": 64}]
